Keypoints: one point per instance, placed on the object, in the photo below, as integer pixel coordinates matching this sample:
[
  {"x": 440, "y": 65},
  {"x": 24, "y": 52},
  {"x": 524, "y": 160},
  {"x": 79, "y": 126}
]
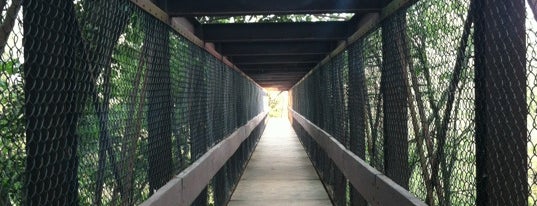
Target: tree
[
  {"x": 101, "y": 43},
  {"x": 436, "y": 130},
  {"x": 275, "y": 18},
  {"x": 8, "y": 21}
]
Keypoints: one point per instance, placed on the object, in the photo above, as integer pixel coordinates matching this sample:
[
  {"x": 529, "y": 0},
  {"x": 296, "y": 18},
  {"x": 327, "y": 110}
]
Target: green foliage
[
  {"x": 121, "y": 82},
  {"x": 435, "y": 29},
  {"x": 276, "y": 101},
  {"x": 275, "y": 18},
  {"x": 12, "y": 133},
  {"x": 372, "y": 53}
]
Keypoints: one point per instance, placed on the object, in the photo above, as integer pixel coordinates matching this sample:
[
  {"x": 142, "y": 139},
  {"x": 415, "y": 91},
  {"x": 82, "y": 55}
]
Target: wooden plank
[
  {"x": 186, "y": 186},
  {"x": 152, "y": 9},
  {"x": 369, "y": 182},
  {"x": 279, "y": 172}
]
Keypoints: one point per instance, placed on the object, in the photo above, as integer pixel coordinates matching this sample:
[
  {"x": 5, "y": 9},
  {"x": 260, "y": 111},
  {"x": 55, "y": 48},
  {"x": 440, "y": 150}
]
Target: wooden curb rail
[
  {"x": 185, "y": 187},
  {"x": 374, "y": 186}
]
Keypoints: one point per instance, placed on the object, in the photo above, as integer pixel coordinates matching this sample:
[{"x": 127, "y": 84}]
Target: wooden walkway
[{"x": 279, "y": 172}]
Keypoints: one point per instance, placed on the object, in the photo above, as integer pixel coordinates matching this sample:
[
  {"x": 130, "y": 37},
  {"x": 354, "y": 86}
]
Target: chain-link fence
[
  {"x": 440, "y": 97},
  {"x": 101, "y": 104},
  {"x": 531, "y": 65},
  {"x": 224, "y": 183}
]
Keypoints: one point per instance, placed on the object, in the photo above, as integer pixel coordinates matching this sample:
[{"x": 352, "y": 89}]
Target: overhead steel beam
[
  {"x": 284, "y": 82},
  {"x": 283, "y": 87},
  {"x": 279, "y": 81},
  {"x": 276, "y": 73},
  {"x": 276, "y": 87},
  {"x": 277, "y": 48},
  {"x": 287, "y": 59},
  {"x": 242, "y": 7},
  {"x": 249, "y": 72},
  {"x": 280, "y": 67},
  {"x": 256, "y": 32},
  {"x": 276, "y": 78},
  {"x": 261, "y": 71},
  {"x": 241, "y": 64},
  {"x": 276, "y": 83}
]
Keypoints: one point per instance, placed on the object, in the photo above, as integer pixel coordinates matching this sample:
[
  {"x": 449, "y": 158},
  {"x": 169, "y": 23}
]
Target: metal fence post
[
  {"x": 393, "y": 89},
  {"x": 159, "y": 104},
  {"x": 56, "y": 87},
  {"x": 198, "y": 118},
  {"x": 500, "y": 78},
  {"x": 356, "y": 110}
]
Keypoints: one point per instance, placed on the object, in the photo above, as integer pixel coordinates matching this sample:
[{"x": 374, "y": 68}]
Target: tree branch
[
  {"x": 422, "y": 56},
  {"x": 408, "y": 65},
  {"x": 102, "y": 59},
  {"x": 131, "y": 130},
  {"x": 419, "y": 145},
  {"x": 424, "y": 134},
  {"x": 460, "y": 60},
  {"x": 9, "y": 22},
  {"x": 447, "y": 169}
]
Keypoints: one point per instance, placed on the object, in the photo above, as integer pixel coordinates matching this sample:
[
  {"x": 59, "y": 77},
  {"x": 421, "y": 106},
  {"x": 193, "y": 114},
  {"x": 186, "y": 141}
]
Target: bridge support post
[
  {"x": 340, "y": 122},
  {"x": 394, "y": 95},
  {"x": 55, "y": 82},
  {"x": 159, "y": 104},
  {"x": 500, "y": 100},
  {"x": 356, "y": 110}
]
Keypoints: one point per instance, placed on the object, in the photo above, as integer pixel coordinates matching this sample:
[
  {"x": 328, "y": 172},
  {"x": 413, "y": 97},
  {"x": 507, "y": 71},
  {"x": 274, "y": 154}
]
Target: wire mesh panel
[
  {"x": 372, "y": 60},
  {"x": 441, "y": 103},
  {"x": 531, "y": 65},
  {"x": 102, "y": 104},
  {"x": 441, "y": 99},
  {"x": 500, "y": 81},
  {"x": 327, "y": 87},
  {"x": 12, "y": 126},
  {"x": 224, "y": 182}
]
